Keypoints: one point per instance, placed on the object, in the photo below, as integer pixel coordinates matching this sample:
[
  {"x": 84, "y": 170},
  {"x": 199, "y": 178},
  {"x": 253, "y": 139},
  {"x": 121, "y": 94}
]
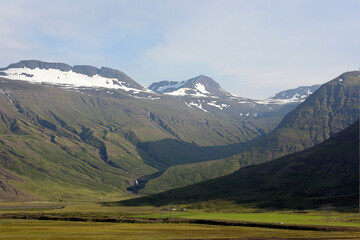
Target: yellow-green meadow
[{"x": 84, "y": 222}]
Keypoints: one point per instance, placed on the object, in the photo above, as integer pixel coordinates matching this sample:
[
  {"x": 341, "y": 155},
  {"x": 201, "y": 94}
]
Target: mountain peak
[
  {"x": 202, "y": 77},
  {"x": 200, "y": 86},
  {"x": 295, "y": 95}
]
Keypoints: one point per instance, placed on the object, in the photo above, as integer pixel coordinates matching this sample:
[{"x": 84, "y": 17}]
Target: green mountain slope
[
  {"x": 333, "y": 107},
  {"x": 327, "y": 173},
  {"x": 55, "y": 140}
]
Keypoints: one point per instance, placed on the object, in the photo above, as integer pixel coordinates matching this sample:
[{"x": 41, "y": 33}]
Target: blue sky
[{"x": 253, "y": 48}]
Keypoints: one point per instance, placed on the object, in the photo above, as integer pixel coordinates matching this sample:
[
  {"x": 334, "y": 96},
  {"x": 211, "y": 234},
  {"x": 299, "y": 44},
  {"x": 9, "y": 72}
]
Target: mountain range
[
  {"x": 205, "y": 94},
  {"x": 333, "y": 107},
  {"x": 99, "y": 132},
  {"x": 200, "y": 93}
]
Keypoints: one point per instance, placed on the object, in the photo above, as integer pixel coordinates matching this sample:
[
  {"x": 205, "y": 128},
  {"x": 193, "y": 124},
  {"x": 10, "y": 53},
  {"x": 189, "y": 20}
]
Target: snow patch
[
  {"x": 198, "y": 105},
  {"x": 147, "y": 98},
  {"x": 67, "y": 79},
  {"x": 220, "y": 106},
  {"x": 182, "y": 92},
  {"x": 201, "y": 88},
  {"x": 179, "y": 92}
]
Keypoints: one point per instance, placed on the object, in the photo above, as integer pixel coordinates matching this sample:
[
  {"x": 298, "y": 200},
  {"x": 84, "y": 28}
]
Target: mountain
[
  {"x": 78, "y": 76},
  {"x": 200, "y": 93},
  {"x": 296, "y": 95},
  {"x": 203, "y": 86},
  {"x": 200, "y": 86},
  {"x": 55, "y": 138},
  {"x": 204, "y": 94},
  {"x": 333, "y": 107},
  {"x": 327, "y": 173}
]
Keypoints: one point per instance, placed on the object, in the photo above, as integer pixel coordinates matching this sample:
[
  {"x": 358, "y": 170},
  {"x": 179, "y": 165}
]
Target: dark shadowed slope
[{"x": 327, "y": 173}]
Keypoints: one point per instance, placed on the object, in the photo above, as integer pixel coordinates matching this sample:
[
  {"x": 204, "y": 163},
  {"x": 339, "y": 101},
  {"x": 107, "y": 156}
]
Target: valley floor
[
  {"x": 36, "y": 229},
  {"x": 85, "y": 223}
]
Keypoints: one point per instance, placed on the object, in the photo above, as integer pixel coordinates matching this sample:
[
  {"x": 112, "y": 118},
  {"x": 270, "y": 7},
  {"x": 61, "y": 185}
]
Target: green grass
[
  {"x": 230, "y": 212},
  {"x": 29, "y": 229},
  {"x": 44, "y": 229},
  {"x": 76, "y": 209},
  {"x": 312, "y": 218}
]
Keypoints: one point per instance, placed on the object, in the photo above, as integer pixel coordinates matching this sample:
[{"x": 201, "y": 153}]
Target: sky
[{"x": 252, "y": 48}]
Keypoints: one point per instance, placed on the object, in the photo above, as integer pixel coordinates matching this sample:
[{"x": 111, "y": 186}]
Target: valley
[
  {"x": 74, "y": 147},
  {"x": 179, "y": 120},
  {"x": 110, "y": 138}
]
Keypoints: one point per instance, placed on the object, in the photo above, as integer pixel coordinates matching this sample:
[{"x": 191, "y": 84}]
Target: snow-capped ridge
[
  {"x": 64, "y": 75},
  {"x": 296, "y": 95}
]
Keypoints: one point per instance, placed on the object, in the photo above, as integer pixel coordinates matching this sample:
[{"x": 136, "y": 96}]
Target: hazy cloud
[{"x": 252, "y": 47}]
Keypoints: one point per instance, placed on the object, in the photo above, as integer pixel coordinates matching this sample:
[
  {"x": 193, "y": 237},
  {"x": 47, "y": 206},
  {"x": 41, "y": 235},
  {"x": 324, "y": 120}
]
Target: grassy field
[
  {"x": 44, "y": 229},
  {"x": 311, "y": 218},
  {"x": 29, "y": 229}
]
